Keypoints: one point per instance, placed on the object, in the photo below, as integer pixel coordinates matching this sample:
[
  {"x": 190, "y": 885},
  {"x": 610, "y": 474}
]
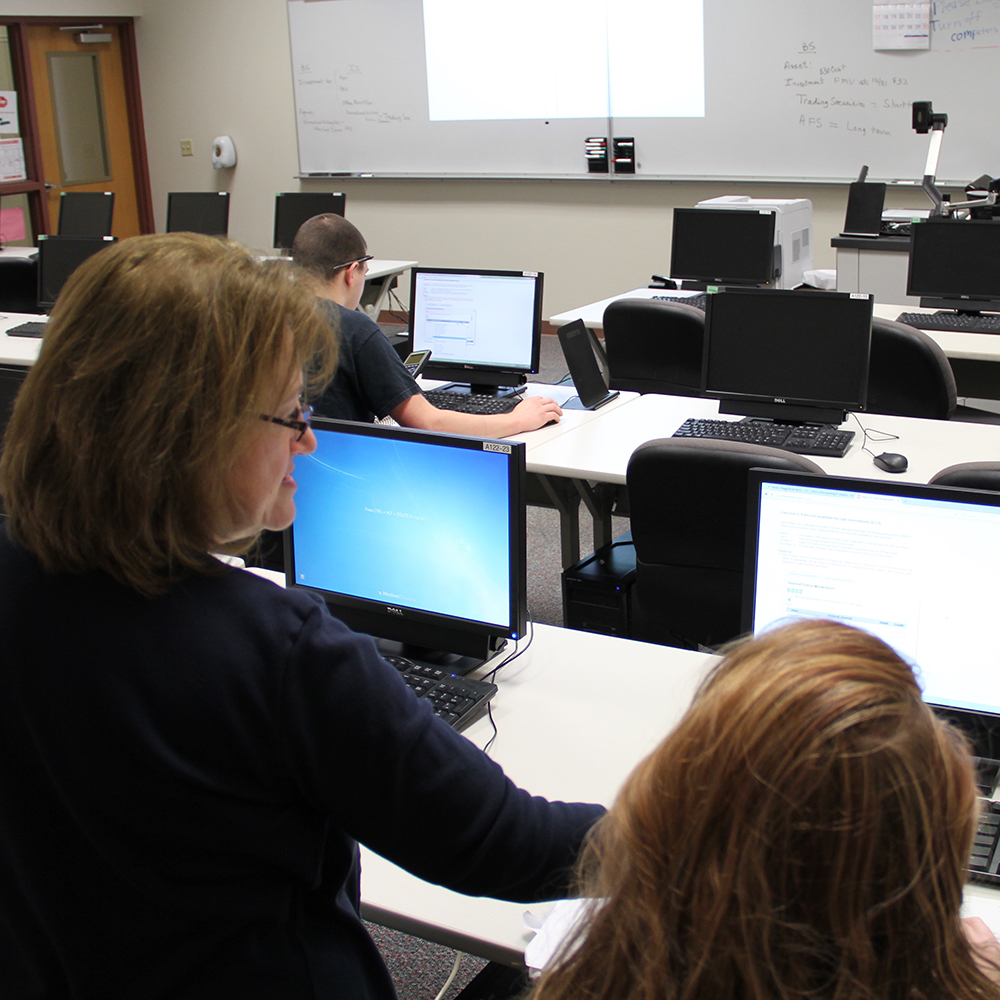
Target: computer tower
[
  {"x": 792, "y": 231},
  {"x": 597, "y": 591}
]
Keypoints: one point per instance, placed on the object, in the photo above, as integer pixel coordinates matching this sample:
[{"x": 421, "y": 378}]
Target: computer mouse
[{"x": 889, "y": 461}]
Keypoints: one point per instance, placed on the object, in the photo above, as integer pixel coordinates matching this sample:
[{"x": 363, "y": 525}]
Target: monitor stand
[
  {"x": 454, "y": 663},
  {"x": 783, "y": 413}
]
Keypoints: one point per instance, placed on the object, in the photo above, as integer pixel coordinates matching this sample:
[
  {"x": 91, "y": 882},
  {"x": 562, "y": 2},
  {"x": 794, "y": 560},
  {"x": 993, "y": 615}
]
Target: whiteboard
[{"x": 793, "y": 90}]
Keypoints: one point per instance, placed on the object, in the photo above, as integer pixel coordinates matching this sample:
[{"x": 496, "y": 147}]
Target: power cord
[
  {"x": 869, "y": 435},
  {"x": 451, "y": 977},
  {"x": 517, "y": 651}
]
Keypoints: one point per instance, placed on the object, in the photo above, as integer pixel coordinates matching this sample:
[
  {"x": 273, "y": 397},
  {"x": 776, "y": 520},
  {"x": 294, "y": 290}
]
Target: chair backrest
[
  {"x": 654, "y": 346},
  {"x": 688, "y": 506},
  {"x": 18, "y": 284},
  {"x": 971, "y": 475},
  {"x": 908, "y": 374},
  {"x": 86, "y": 213}
]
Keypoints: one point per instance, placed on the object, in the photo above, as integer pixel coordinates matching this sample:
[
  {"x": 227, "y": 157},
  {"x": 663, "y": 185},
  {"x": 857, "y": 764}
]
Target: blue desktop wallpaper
[{"x": 402, "y": 522}]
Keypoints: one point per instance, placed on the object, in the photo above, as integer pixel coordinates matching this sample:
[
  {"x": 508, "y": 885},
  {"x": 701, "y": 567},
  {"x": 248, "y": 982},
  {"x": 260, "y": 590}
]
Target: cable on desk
[
  {"x": 492, "y": 674},
  {"x": 451, "y": 978},
  {"x": 405, "y": 316},
  {"x": 868, "y": 435}
]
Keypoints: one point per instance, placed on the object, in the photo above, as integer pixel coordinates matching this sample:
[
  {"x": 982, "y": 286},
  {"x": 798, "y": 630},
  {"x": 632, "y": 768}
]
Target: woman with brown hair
[
  {"x": 802, "y": 833},
  {"x": 188, "y": 753}
]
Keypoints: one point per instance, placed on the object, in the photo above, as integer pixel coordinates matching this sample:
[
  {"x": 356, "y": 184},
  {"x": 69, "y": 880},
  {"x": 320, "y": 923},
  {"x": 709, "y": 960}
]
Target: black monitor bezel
[
  {"x": 414, "y": 627},
  {"x": 786, "y": 408},
  {"x": 286, "y": 227},
  {"x": 96, "y": 244},
  {"x": 478, "y": 374},
  {"x": 765, "y": 275},
  {"x": 100, "y": 207},
  {"x": 204, "y": 203},
  {"x": 756, "y": 477},
  {"x": 943, "y": 298}
]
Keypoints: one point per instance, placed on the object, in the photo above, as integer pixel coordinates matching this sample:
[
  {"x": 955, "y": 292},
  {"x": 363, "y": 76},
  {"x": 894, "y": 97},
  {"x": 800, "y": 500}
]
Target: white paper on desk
[{"x": 555, "y": 929}]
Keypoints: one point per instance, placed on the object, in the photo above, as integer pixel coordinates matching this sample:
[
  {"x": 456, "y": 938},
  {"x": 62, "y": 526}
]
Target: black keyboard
[
  {"x": 803, "y": 439},
  {"x": 459, "y": 701},
  {"x": 955, "y": 321},
  {"x": 27, "y": 330},
  {"x": 470, "y": 402},
  {"x": 698, "y": 301},
  {"x": 985, "y": 858}
]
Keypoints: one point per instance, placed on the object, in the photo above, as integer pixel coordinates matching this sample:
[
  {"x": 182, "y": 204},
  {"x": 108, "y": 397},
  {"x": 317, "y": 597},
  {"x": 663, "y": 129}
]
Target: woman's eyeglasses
[{"x": 299, "y": 424}]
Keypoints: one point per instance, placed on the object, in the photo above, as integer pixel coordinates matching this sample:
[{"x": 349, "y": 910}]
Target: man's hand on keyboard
[{"x": 534, "y": 412}]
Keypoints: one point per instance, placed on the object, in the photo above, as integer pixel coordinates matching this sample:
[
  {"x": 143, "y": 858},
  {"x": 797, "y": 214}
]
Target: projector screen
[{"x": 487, "y": 62}]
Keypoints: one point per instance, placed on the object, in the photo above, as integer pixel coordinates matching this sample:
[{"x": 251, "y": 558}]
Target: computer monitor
[
  {"x": 58, "y": 258},
  {"x": 955, "y": 264},
  {"x": 198, "y": 212},
  {"x": 414, "y": 537},
  {"x": 86, "y": 213},
  {"x": 724, "y": 246},
  {"x": 915, "y": 565},
  {"x": 484, "y": 327},
  {"x": 793, "y": 356},
  {"x": 292, "y": 208}
]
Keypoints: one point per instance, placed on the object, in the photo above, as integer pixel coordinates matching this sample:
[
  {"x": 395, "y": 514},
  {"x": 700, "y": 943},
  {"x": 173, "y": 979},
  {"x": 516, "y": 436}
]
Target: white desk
[
  {"x": 599, "y": 451},
  {"x": 18, "y": 252},
  {"x": 557, "y": 737},
  {"x": 18, "y": 350},
  {"x": 378, "y": 283}
]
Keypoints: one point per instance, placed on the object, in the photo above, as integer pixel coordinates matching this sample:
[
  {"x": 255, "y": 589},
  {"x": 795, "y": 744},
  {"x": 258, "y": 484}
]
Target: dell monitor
[
  {"x": 724, "y": 246},
  {"x": 58, "y": 258},
  {"x": 86, "y": 213},
  {"x": 483, "y": 327},
  {"x": 915, "y": 565},
  {"x": 791, "y": 356},
  {"x": 415, "y": 537},
  {"x": 198, "y": 212},
  {"x": 292, "y": 208},
  {"x": 955, "y": 264}
]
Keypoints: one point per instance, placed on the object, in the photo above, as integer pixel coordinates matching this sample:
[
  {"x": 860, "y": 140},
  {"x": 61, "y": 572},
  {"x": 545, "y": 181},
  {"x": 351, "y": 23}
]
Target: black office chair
[
  {"x": 688, "y": 501},
  {"x": 18, "y": 284},
  {"x": 86, "y": 213},
  {"x": 654, "y": 346},
  {"x": 971, "y": 475},
  {"x": 908, "y": 374}
]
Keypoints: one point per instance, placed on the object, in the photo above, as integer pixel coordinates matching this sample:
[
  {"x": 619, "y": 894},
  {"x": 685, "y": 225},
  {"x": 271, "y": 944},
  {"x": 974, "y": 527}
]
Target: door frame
[{"x": 34, "y": 186}]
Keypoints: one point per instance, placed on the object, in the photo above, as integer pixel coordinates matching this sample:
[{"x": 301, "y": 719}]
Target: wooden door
[{"x": 104, "y": 138}]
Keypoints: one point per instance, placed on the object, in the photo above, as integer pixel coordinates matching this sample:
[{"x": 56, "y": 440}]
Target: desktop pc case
[
  {"x": 597, "y": 590},
  {"x": 792, "y": 231}
]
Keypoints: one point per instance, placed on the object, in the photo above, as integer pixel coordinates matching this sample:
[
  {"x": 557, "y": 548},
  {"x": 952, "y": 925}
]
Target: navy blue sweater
[{"x": 184, "y": 780}]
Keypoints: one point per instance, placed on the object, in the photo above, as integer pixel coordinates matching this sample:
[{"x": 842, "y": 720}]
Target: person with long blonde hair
[{"x": 802, "y": 833}]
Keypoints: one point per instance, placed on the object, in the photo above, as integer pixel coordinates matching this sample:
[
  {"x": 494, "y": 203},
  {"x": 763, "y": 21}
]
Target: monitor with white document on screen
[
  {"x": 918, "y": 566},
  {"x": 484, "y": 327}
]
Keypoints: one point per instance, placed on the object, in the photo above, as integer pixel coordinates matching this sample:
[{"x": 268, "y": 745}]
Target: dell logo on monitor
[
  {"x": 394, "y": 611},
  {"x": 780, "y": 399}
]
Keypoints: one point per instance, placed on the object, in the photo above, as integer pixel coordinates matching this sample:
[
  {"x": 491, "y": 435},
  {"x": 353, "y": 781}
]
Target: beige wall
[{"x": 212, "y": 67}]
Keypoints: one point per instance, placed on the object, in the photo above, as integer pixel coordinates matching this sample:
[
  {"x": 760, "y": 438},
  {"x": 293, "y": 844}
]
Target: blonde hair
[
  {"x": 802, "y": 833},
  {"x": 161, "y": 353}
]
